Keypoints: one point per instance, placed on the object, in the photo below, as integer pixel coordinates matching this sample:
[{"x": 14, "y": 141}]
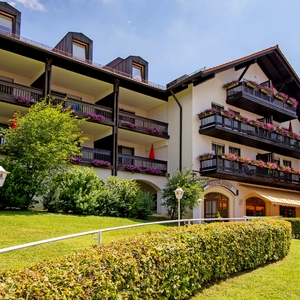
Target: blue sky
[{"x": 176, "y": 37}]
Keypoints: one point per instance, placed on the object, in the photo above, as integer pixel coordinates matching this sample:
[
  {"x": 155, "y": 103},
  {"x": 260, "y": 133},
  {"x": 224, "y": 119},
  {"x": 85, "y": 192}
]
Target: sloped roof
[{"x": 272, "y": 62}]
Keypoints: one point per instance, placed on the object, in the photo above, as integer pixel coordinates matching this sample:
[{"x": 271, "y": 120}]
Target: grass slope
[{"x": 24, "y": 227}]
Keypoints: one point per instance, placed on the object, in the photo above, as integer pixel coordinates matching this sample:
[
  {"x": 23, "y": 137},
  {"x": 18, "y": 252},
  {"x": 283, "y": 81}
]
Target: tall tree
[
  {"x": 192, "y": 188},
  {"x": 39, "y": 146}
]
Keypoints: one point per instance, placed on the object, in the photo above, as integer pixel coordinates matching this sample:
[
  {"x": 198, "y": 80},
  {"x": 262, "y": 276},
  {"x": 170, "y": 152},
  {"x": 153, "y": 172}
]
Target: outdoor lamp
[
  {"x": 179, "y": 193},
  {"x": 3, "y": 174}
]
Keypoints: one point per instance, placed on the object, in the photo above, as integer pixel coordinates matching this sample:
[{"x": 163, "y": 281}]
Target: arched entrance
[
  {"x": 255, "y": 207},
  {"x": 213, "y": 203}
]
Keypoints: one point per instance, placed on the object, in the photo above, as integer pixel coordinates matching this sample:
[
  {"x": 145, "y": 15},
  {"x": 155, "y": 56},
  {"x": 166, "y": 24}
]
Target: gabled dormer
[
  {"x": 135, "y": 66},
  {"x": 77, "y": 44},
  {"x": 10, "y": 19}
]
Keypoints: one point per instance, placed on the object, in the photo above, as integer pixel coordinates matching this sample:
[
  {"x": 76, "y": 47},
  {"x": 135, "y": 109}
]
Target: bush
[
  {"x": 171, "y": 264},
  {"x": 124, "y": 198},
  {"x": 295, "y": 227},
  {"x": 80, "y": 191},
  {"x": 75, "y": 190}
]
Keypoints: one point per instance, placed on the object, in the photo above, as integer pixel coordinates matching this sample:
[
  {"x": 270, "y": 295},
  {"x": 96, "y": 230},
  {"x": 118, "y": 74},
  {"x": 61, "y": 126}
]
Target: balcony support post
[
  {"x": 115, "y": 128},
  {"x": 48, "y": 72}
]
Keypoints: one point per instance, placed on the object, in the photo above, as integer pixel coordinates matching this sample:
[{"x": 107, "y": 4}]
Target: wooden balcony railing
[
  {"x": 9, "y": 91},
  {"x": 255, "y": 101},
  {"x": 82, "y": 108},
  {"x": 144, "y": 124},
  {"x": 234, "y": 130},
  {"x": 143, "y": 163},
  {"x": 90, "y": 154},
  {"x": 238, "y": 171}
]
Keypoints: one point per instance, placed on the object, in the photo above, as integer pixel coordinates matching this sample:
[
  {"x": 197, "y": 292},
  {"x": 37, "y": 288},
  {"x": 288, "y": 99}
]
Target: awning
[{"x": 277, "y": 197}]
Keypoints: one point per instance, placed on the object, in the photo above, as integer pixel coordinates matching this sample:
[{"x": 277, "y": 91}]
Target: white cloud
[
  {"x": 12, "y": 3},
  {"x": 33, "y": 4}
]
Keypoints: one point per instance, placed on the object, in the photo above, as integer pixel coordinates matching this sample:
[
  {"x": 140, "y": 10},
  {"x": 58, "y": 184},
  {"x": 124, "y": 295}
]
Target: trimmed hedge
[
  {"x": 171, "y": 264},
  {"x": 295, "y": 227}
]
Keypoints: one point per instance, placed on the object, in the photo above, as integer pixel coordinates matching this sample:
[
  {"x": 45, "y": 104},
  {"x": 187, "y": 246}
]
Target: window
[
  {"x": 218, "y": 149},
  {"x": 217, "y": 107},
  {"x": 287, "y": 212},
  {"x": 213, "y": 203},
  {"x": 123, "y": 159},
  {"x": 255, "y": 207},
  {"x": 236, "y": 151},
  {"x": 80, "y": 49},
  {"x": 6, "y": 22},
  {"x": 137, "y": 71}
]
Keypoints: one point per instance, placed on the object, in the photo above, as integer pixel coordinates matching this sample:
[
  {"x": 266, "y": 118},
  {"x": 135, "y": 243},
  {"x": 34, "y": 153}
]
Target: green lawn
[
  {"x": 280, "y": 280},
  {"x": 24, "y": 227}
]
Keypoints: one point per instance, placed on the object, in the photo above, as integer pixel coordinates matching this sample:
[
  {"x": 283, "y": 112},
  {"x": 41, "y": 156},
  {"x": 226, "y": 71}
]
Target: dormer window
[
  {"x": 80, "y": 49},
  {"x": 6, "y": 22},
  {"x": 137, "y": 71}
]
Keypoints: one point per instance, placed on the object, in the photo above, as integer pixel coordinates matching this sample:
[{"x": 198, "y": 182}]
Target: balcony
[
  {"x": 143, "y": 125},
  {"x": 9, "y": 91},
  {"x": 125, "y": 162},
  {"x": 255, "y": 101},
  {"x": 220, "y": 168},
  {"x": 235, "y": 131}
]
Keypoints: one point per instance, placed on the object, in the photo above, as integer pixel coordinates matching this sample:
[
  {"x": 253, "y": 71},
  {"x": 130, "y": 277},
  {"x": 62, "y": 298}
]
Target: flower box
[
  {"x": 230, "y": 156},
  {"x": 228, "y": 113},
  {"x": 231, "y": 84},
  {"x": 207, "y": 112},
  {"x": 282, "y": 96},
  {"x": 266, "y": 90},
  {"x": 292, "y": 101},
  {"x": 252, "y": 84},
  {"x": 205, "y": 156}
]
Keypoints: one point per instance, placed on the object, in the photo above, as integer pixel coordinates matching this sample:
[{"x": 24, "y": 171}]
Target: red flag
[
  {"x": 152, "y": 155},
  {"x": 14, "y": 123}
]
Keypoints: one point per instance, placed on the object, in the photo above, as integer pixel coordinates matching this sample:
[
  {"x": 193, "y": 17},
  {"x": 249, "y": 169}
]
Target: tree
[
  {"x": 37, "y": 148},
  {"x": 192, "y": 188}
]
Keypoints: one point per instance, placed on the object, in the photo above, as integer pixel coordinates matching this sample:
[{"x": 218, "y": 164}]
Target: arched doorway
[
  {"x": 255, "y": 207},
  {"x": 213, "y": 203}
]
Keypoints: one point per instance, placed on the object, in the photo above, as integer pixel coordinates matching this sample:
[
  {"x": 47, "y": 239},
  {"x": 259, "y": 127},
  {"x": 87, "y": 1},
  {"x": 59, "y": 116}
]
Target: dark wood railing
[
  {"x": 253, "y": 100},
  {"x": 242, "y": 87},
  {"x": 9, "y": 91},
  {"x": 143, "y": 162},
  {"x": 236, "y": 126},
  {"x": 90, "y": 154},
  {"x": 142, "y": 124},
  {"x": 245, "y": 172}
]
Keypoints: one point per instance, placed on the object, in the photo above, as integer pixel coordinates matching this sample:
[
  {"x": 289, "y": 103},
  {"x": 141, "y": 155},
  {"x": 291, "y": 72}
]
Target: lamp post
[
  {"x": 179, "y": 193},
  {"x": 3, "y": 174},
  {"x": 200, "y": 203}
]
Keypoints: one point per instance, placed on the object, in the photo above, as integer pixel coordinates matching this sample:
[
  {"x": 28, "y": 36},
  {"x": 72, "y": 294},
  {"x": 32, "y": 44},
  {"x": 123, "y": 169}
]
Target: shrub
[
  {"x": 171, "y": 264},
  {"x": 295, "y": 222},
  {"x": 75, "y": 190}
]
